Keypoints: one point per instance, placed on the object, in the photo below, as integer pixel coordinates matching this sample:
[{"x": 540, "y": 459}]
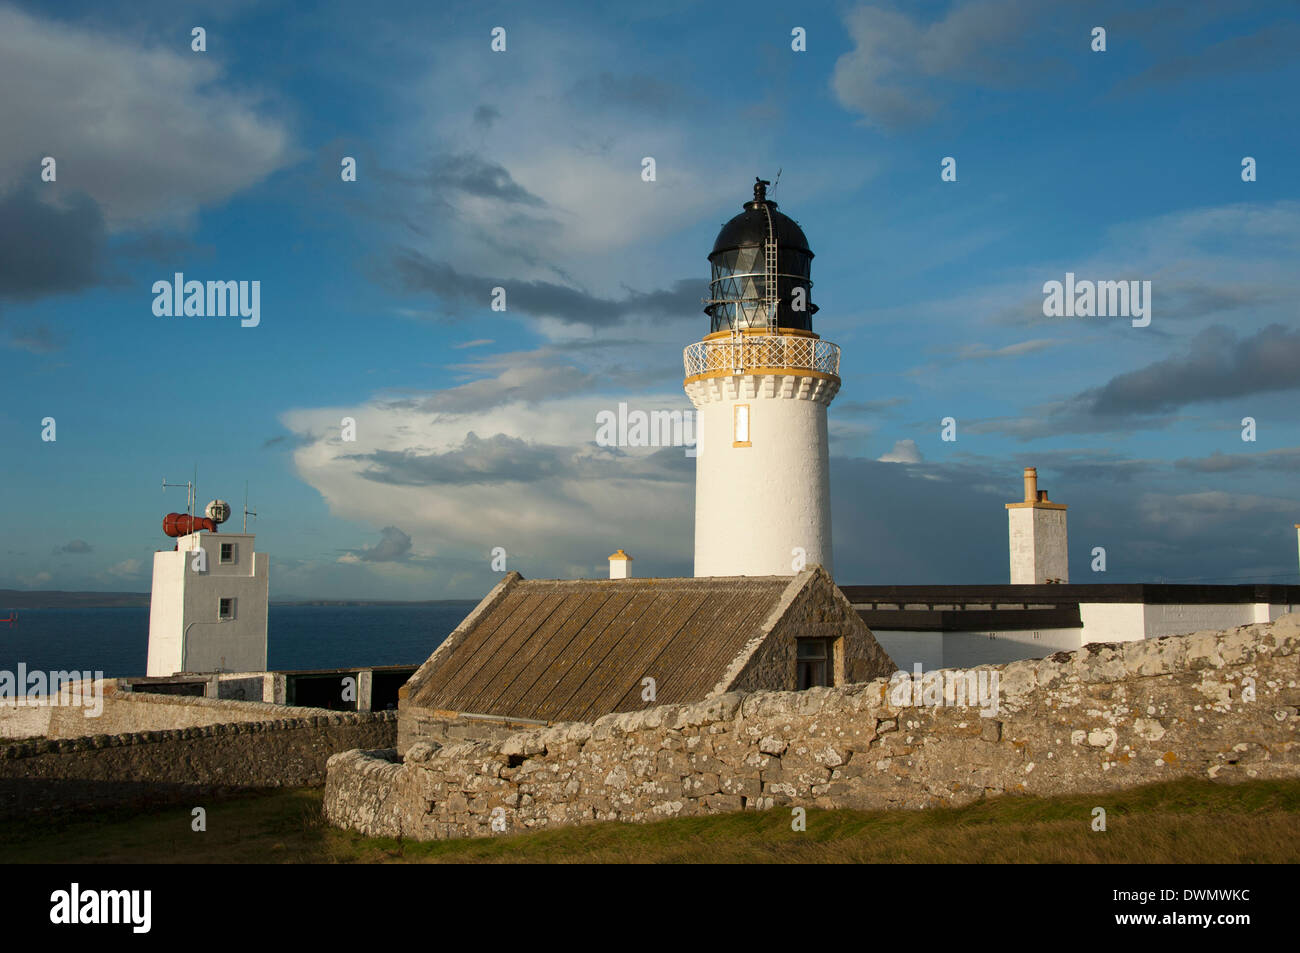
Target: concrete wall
[
  {"x": 180, "y": 765},
  {"x": 1219, "y": 705},
  {"x": 754, "y": 504}
]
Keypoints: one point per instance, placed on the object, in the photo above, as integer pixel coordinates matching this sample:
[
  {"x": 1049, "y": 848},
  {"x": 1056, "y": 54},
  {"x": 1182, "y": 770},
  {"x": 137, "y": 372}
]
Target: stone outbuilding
[{"x": 552, "y": 650}]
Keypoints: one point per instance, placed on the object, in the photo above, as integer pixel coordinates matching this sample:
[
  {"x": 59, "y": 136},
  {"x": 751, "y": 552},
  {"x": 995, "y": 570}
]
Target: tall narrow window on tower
[{"x": 740, "y": 426}]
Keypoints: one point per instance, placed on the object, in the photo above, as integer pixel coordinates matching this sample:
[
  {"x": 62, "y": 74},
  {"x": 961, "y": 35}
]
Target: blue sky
[{"x": 522, "y": 169}]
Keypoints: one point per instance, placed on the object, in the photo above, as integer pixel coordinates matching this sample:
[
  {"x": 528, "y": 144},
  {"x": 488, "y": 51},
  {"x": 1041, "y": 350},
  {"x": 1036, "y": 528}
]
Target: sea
[{"x": 116, "y": 641}]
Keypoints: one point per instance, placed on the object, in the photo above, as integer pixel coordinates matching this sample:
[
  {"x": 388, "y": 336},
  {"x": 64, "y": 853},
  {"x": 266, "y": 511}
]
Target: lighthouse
[
  {"x": 208, "y": 608},
  {"x": 761, "y": 381}
]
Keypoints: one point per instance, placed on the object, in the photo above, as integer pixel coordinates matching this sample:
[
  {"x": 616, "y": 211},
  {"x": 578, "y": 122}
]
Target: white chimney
[{"x": 618, "y": 566}]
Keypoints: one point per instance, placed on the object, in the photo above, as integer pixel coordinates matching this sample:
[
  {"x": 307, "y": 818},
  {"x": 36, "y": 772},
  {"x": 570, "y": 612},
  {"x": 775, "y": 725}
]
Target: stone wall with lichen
[{"x": 1219, "y": 705}]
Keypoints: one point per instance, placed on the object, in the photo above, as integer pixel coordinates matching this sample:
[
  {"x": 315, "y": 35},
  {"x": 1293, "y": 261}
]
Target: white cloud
[
  {"x": 524, "y": 474},
  {"x": 150, "y": 134},
  {"x": 895, "y": 72},
  {"x": 905, "y": 451},
  {"x": 126, "y": 569}
]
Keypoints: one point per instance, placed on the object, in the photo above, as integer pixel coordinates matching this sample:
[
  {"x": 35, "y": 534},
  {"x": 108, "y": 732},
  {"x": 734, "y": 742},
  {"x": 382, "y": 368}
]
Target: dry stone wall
[
  {"x": 1221, "y": 705},
  {"x": 183, "y": 763}
]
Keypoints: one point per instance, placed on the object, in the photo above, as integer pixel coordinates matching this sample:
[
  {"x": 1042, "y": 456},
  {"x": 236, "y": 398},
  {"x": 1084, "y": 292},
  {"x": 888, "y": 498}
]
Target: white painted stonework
[
  {"x": 1038, "y": 544},
  {"x": 756, "y": 504},
  {"x": 186, "y": 633}
]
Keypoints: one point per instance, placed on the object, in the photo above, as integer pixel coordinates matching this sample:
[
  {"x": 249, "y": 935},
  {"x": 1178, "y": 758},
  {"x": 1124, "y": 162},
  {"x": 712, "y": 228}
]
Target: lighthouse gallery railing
[{"x": 776, "y": 351}]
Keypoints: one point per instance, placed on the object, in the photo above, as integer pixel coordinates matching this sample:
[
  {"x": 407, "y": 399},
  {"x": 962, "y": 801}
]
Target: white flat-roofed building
[{"x": 209, "y": 606}]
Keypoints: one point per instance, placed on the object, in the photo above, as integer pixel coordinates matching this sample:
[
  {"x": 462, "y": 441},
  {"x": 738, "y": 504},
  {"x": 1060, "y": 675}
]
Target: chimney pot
[{"x": 1031, "y": 484}]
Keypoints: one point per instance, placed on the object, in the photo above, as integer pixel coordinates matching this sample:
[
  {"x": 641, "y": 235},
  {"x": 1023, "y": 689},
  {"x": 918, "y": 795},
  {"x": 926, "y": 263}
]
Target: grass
[{"x": 1189, "y": 821}]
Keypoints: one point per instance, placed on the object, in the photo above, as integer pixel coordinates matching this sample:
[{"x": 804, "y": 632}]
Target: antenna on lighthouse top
[
  {"x": 247, "y": 511},
  {"x": 189, "y": 494},
  {"x": 776, "y": 182}
]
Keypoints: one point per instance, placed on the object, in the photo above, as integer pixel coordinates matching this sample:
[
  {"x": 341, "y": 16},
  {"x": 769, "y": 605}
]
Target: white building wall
[
  {"x": 908, "y": 648},
  {"x": 967, "y": 649},
  {"x": 1113, "y": 621},
  {"x": 166, "y": 612},
  {"x": 186, "y": 633},
  {"x": 755, "y": 504},
  {"x": 1162, "y": 620}
]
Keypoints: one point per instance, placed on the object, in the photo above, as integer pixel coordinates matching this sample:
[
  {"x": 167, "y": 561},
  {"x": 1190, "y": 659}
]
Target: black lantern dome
[{"x": 742, "y": 261}]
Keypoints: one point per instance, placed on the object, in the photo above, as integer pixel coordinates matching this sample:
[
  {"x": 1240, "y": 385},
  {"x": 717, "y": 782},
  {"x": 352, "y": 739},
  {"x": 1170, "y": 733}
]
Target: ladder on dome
[{"x": 770, "y": 299}]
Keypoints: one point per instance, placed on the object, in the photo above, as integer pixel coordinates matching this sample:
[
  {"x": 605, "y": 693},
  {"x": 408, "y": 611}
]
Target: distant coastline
[{"x": 59, "y": 599}]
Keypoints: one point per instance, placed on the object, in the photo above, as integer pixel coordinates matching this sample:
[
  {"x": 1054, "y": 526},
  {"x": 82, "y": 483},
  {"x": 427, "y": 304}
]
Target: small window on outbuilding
[
  {"x": 225, "y": 608},
  {"x": 814, "y": 663},
  {"x": 227, "y": 552}
]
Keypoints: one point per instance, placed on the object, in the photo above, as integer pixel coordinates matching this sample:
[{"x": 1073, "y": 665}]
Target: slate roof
[{"x": 573, "y": 650}]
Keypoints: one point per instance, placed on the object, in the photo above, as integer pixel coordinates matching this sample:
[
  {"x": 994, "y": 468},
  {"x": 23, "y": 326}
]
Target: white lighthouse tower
[{"x": 761, "y": 381}]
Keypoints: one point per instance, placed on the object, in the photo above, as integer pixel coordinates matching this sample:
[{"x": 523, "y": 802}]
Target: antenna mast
[
  {"x": 189, "y": 493},
  {"x": 247, "y": 511}
]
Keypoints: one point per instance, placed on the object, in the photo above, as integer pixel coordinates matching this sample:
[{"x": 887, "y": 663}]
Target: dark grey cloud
[
  {"x": 47, "y": 249},
  {"x": 471, "y": 174},
  {"x": 418, "y": 273},
  {"x": 289, "y": 440},
  {"x": 1286, "y": 459},
  {"x": 393, "y": 546},
  {"x": 869, "y": 406},
  {"x": 76, "y": 547},
  {"x": 1216, "y": 365},
  {"x": 505, "y": 459},
  {"x": 945, "y": 523}
]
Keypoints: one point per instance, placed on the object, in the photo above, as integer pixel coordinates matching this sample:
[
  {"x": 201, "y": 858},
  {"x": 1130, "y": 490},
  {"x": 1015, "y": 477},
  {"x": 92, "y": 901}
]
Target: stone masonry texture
[
  {"x": 1219, "y": 705},
  {"x": 183, "y": 763}
]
